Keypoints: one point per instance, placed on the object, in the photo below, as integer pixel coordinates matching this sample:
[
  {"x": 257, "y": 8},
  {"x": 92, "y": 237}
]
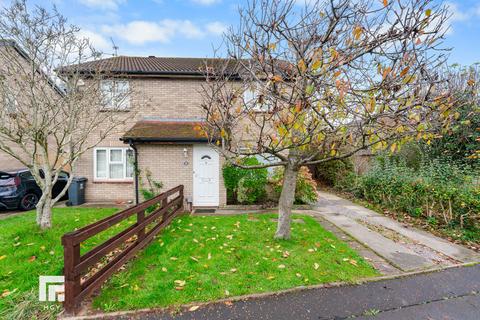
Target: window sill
[
  {"x": 114, "y": 110},
  {"x": 114, "y": 181}
]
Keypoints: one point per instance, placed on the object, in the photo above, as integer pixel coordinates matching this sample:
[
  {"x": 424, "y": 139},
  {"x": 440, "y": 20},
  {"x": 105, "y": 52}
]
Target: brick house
[{"x": 161, "y": 134}]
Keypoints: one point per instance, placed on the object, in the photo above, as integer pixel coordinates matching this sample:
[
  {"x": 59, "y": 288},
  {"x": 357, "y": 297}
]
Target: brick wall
[{"x": 154, "y": 97}]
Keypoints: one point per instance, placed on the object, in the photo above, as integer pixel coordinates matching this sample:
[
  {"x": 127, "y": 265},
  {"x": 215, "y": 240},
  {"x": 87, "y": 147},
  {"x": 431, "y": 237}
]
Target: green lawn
[
  {"x": 199, "y": 258},
  {"x": 194, "y": 259},
  {"x": 27, "y": 253}
]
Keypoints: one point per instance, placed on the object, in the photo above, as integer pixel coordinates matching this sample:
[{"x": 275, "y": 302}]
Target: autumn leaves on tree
[{"x": 314, "y": 83}]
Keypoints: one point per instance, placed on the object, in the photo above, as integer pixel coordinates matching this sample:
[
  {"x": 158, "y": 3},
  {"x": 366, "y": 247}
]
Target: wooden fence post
[
  {"x": 183, "y": 200},
  {"x": 140, "y": 219},
  {"x": 71, "y": 254}
]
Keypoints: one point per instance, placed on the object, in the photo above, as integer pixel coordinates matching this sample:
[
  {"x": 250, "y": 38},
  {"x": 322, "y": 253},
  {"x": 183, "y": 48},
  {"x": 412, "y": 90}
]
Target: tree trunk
[
  {"x": 44, "y": 211},
  {"x": 285, "y": 202}
]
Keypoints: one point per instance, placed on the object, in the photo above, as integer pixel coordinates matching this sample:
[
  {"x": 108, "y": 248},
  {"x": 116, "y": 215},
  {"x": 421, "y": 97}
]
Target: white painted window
[
  {"x": 115, "y": 94},
  {"x": 252, "y": 97},
  {"x": 113, "y": 163}
]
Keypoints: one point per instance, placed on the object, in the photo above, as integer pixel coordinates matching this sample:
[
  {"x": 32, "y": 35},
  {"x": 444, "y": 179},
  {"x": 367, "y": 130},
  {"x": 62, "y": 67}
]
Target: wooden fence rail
[{"x": 76, "y": 265}]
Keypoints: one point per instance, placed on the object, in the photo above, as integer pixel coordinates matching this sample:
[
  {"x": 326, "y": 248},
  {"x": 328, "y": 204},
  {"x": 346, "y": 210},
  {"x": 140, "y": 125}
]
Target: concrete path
[
  {"x": 452, "y": 294},
  {"x": 404, "y": 247}
]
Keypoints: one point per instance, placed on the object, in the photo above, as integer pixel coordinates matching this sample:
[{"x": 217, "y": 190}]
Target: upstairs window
[
  {"x": 113, "y": 163},
  {"x": 254, "y": 98},
  {"x": 115, "y": 94}
]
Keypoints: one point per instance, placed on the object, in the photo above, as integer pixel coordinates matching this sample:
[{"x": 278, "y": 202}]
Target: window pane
[
  {"x": 101, "y": 163},
  {"x": 129, "y": 164},
  {"x": 106, "y": 87},
  {"x": 122, "y": 100},
  {"x": 115, "y": 155},
  {"x": 116, "y": 171}
]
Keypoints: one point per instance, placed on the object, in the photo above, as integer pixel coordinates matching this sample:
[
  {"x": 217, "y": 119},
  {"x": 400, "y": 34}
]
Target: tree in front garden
[
  {"x": 47, "y": 121},
  {"x": 307, "y": 84}
]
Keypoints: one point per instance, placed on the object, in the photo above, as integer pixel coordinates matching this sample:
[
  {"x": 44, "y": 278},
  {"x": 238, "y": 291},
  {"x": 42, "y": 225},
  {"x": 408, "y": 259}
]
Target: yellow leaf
[
  {"x": 316, "y": 266},
  {"x": 180, "y": 283},
  {"x": 193, "y": 308},
  {"x": 317, "y": 64},
  {"x": 164, "y": 269},
  {"x": 357, "y": 32},
  {"x": 282, "y": 266},
  {"x": 272, "y": 46},
  {"x": 3, "y": 257},
  {"x": 227, "y": 293},
  {"x": 428, "y": 12},
  {"x": 393, "y": 147},
  {"x": 302, "y": 66}
]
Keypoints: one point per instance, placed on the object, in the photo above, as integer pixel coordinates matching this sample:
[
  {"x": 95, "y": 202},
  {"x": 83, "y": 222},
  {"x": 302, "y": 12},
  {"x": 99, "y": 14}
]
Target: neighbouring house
[
  {"x": 162, "y": 134},
  {"x": 13, "y": 96}
]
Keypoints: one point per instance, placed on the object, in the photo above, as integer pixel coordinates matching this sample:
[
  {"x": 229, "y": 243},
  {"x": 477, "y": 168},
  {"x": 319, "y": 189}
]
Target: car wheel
[{"x": 29, "y": 201}]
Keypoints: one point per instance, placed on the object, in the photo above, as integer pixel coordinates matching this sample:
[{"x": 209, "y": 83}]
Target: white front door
[{"x": 206, "y": 171}]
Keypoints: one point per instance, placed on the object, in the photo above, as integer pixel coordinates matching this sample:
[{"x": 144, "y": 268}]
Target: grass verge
[{"x": 204, "y": 258}]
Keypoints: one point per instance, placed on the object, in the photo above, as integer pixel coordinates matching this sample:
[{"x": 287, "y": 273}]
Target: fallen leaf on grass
[
  {"x": 270, "y": 277},
  {"x": 316, "y": 266},
  {"x": 298, "y": 275},
  {"x": 209, "y": 256},
  {"x": 32, "y": 258},
  {"x": 282, "y": 266},
  {"x": 173, "y": 258},
  {"x": 230, "y": 236},
  {"x": 227, "y": 292},
  {"x": 233, "y": 270},
  {"x": 193, "y": 308},
  {"x": 3, "y": 257},
  {"x": 194, "y": 259},
  {"x": 180, "y": 283},
  {"x": 286, "y": 254},
  {"x": 7, "y": 292},
  {"x": 164, "y": 269}
]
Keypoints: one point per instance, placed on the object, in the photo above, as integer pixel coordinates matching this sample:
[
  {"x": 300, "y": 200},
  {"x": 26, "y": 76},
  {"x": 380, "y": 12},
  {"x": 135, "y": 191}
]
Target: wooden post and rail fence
[{"x": 145, "y": 228}]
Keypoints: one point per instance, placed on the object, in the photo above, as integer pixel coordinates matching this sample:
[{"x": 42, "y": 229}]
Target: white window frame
[
  {"x": 108, "y": 162},
  {"x": 250, "y": 96},
  {"x": 114, "y": 95}
]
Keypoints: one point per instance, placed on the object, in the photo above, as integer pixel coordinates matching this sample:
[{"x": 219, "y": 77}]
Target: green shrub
[
  {"x": 333, "y": 172},
  {"x": 150, "y": 190},
  {"x": 246, "y": 186},
  {"x": 306, "y": 188},
  {"x": 441, "y": 191}
]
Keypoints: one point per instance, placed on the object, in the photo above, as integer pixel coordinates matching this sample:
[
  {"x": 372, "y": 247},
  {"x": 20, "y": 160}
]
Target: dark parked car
[{"x": 18, "y": 189}]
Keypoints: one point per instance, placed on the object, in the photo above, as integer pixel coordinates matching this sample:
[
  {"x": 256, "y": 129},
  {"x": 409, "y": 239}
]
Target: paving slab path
[{"x": 404, "y": 247}]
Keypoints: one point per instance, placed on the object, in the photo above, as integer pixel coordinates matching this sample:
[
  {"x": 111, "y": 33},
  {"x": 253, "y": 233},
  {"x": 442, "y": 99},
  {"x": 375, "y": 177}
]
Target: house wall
[{"x": 159, "y": 98}]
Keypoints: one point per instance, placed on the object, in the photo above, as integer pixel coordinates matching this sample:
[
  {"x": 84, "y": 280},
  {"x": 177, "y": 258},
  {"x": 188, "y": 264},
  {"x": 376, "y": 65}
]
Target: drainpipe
[{"x": 135, "y": 168}]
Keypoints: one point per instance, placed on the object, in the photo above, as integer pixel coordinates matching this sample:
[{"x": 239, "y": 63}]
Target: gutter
[{"x": 177, "y": 140}]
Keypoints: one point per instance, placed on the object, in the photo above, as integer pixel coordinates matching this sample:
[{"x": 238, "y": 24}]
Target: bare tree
[
  {"x": 50, "y": 118},
  {"x": 319, "y": 82}
]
